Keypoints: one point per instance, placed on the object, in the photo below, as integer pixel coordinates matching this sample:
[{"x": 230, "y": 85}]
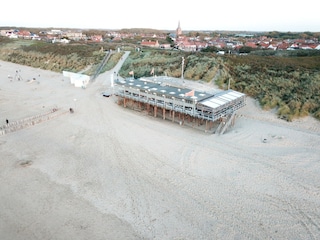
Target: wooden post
[
  {"x": 164, "y": 113},
  {"x": 124, "y": 103},
  {"x": 155, "y": 111},
  {"x": 233, "y": 119},
  {"x": 172, "y": 116}
]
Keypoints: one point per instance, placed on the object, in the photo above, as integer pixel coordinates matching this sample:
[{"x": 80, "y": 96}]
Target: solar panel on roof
[
  {"x": 226, "y": 98},
  {"x": 236, "y": 94},
  {"x": 211, "y": 104},
  {"x": 218, "y": 101},
  {"x": 213, "y": 101}
]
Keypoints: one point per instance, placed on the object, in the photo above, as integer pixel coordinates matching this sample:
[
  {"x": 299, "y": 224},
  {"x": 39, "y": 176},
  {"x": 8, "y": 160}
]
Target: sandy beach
[{"x": 107, "y": 172}]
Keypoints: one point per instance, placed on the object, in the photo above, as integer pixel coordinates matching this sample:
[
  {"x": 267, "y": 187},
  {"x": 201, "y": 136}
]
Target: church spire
[{"x": 178, "y": 31}]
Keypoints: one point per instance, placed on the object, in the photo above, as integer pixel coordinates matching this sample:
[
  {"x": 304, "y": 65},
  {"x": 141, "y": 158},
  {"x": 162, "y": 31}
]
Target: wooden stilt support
[
  {"x": 173, "y": 116},
  {"x": 164, "y": 113},
  {"x": 233, "y": 120},
  {"x": 155, "y": 111},
  {"x": 148, "y": 108},
  {"x": 124, "y": 103}
]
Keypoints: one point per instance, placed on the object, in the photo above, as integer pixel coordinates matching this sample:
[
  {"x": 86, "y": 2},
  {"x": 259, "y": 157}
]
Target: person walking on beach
[{"x": 7, "y": 121}]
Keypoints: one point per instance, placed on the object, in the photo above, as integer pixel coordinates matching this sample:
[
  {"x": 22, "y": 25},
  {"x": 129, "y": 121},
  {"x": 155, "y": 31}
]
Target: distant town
[{"x": 191, "y": 41}]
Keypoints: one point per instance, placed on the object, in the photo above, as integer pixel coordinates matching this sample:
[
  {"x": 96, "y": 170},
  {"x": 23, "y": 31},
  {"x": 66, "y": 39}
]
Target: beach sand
[{"x": 107, "y": 172}]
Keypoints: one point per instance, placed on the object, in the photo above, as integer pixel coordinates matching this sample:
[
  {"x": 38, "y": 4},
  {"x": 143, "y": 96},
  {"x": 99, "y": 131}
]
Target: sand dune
[{"x": 105, "y": 172}]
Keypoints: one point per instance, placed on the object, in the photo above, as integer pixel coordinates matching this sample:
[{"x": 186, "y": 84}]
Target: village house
[
  {"x": 282, "y": 46},
  {"x": 24, "y": 34},
  {"x": 165, "y": 46},
  {"x": 10, "y": 33},
  {"x": 74, "y": 35},
  {"x": 251, "y": 44},
  {"x": 149, "y": 43},
  {"x": 96, "y": 38}
]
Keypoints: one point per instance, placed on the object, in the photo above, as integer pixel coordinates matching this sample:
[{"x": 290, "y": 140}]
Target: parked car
[{"x": 106, "y": 94}]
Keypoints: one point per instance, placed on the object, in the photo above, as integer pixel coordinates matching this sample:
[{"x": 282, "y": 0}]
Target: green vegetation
[
  {"x": 56, "y": 57},
  {"x": 293, "y": 35},
  {"x": 289, "y": 84},
  {"x": 197, "y": 66}
]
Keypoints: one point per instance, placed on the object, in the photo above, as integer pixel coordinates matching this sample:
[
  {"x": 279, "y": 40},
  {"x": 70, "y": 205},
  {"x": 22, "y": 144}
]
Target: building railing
[{"x": 192, "y": 108}]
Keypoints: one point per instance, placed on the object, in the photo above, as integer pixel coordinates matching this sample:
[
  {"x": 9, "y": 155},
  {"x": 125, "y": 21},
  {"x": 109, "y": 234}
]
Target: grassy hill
[
  {"x": 55, "y": 57},
  {"x": 197, "y": 66},
  {"x": 289, "y": 84}
]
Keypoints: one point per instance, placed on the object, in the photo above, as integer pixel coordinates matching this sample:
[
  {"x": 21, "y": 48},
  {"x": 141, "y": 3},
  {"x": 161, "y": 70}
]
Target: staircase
[
  {"x": 102, "y": 64},
  {"x": 224, "y": 125}
]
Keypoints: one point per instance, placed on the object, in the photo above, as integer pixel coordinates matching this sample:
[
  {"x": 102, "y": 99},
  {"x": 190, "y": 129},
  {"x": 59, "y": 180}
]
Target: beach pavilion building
[
  {"x": 77, "y": 79},
  {"x": 211, "y": 110}
]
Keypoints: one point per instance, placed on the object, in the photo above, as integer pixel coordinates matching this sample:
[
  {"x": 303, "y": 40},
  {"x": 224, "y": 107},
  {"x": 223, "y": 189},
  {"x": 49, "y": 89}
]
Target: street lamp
[
  {"x": 182, "y": 65},
  {"x": 164, "y": 100},
  {"x": 173, "y": 98}
]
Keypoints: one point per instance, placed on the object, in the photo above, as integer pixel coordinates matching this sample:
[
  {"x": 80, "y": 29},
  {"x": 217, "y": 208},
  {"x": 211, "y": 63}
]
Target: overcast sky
[{"x": 271, "y": 15}]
